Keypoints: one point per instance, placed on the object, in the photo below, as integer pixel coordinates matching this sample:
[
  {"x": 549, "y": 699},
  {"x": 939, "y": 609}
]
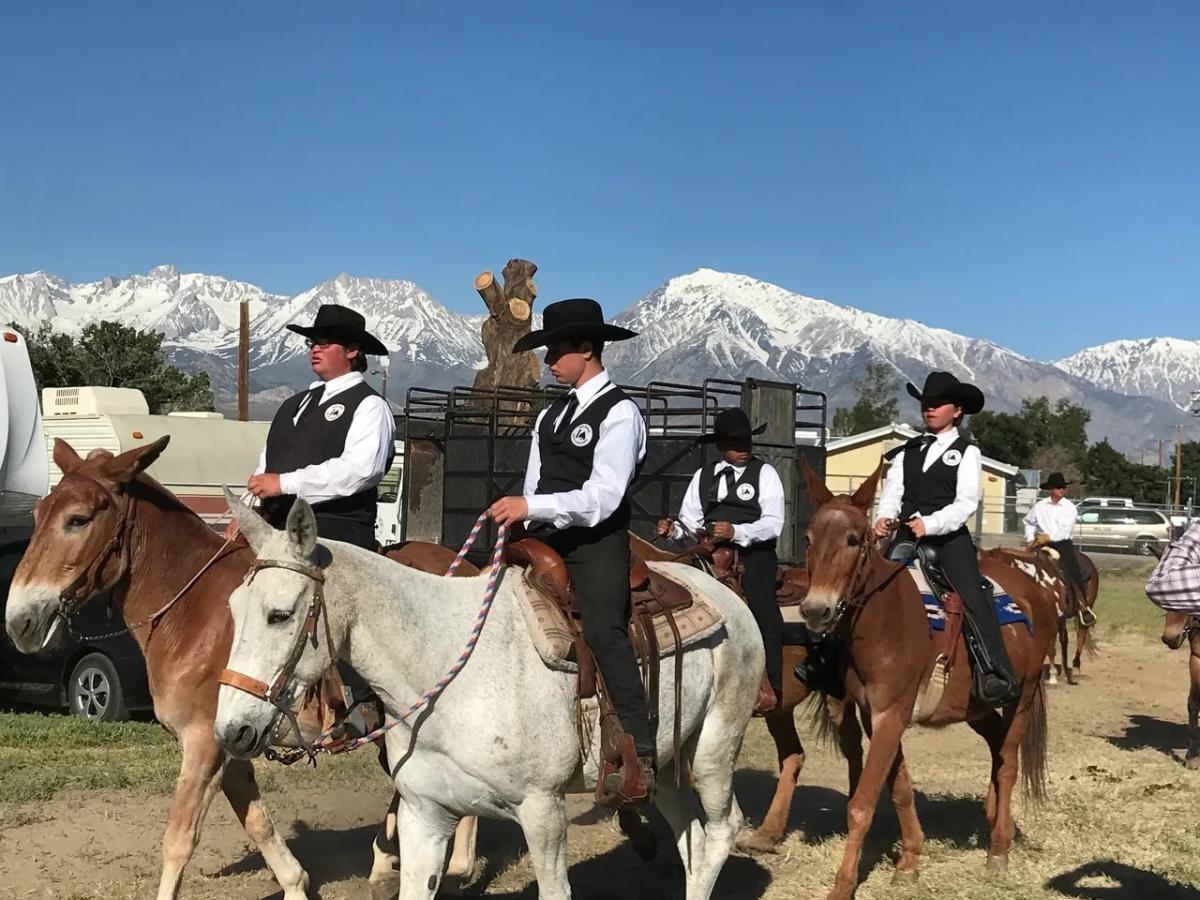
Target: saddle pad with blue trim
[{"x": 1007, "y": 610}]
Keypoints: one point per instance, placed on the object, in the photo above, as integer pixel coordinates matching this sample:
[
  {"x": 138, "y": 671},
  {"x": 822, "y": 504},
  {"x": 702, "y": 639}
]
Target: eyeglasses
[{"x": 319, "y": 342}]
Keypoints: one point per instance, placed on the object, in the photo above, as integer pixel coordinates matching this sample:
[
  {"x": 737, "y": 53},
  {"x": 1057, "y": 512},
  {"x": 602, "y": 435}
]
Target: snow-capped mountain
[
  {"x": 704, "y": 324},
  {"x": 1166, "y": 368}
]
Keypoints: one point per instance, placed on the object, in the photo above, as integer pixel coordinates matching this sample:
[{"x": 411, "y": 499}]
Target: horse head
[
  {"x": 838, "y": 541},
  {"x": 81, "y": 540},
  {"x": 279, "y": 626}
]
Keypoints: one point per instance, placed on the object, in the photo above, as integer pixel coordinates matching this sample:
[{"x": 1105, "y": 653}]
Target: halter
[
  {"x": 69, "y": 599},
  {"x": 857, "y": 600},
  {"x": 275, "y": 692}
]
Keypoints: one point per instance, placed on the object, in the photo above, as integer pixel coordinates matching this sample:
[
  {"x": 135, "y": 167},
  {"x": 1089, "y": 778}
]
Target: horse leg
[
  {"x": 463, "y": 867},
  {"x": 424, "y": 834},
  {"x": 991, "y": 729},
  {"x": 764, "y": 839},
  {"x": 886, "y": 729},
  {"x": 1192, "y": 759},
  {"x": 850, "y": 735},
  {"x": 713, "y": 764},
  {"x": 912, "y": 838},
  {"x": 1082, "y": 635},
  {"x": 385, "y": 847},
  {"x": 199, "y": 778},
  {"x": 543, "y": 818},
  {"x": 1064, "y": 640},
  {"x": 241, "y": 790},
  {"x": 679, "y": 807},
  {"x": 1003, "y": 735}
]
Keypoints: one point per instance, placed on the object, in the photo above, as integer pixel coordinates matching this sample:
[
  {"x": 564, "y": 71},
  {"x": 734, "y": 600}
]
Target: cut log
[{"x": 510, "y": 317}]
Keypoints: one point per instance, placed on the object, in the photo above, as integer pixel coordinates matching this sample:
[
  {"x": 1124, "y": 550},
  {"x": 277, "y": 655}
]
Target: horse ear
[
  {"x": 124, "y": 468},
  {"x": 302, "y": 528},
  {"x": 864, "y": 497},
  {"x": 250, "y": 523},
  {"x": 65, "y": 456},
  {"x": 817, "y": 492}
]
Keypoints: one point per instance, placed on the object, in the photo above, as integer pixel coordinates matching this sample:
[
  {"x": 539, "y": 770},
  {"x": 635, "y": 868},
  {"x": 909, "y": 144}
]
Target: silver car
[{"x": 1122, "y": 528}]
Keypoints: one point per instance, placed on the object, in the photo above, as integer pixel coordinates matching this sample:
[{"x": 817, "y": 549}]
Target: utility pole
[
  {"x": 243, "y": 385},
  {"x": 1160, "y": 449},
  {"x": 1178, "y": 461}
]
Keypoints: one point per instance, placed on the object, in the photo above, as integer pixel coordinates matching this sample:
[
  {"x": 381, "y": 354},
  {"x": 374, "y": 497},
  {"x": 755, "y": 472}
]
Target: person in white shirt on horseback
[{"x": 1051, "y": 523}]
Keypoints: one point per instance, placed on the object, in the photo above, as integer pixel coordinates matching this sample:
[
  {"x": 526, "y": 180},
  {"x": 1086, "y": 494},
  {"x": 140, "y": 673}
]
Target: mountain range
[{"x": 700, "y": 325}]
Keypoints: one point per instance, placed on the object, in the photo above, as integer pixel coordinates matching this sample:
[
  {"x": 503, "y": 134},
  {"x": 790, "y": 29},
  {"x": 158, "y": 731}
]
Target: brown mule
[
  {"x": 108, "y": 527},
  {"x": 888, "y": 655},
  {"x": 1180, "y": 627}
]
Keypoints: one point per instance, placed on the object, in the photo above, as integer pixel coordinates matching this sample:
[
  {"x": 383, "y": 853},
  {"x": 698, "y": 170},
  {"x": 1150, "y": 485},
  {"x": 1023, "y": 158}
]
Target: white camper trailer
[{"x": 23, "y": 466}]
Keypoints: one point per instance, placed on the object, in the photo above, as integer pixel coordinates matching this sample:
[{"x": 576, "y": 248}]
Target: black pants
[
  {"x": 759, "y": 568},
  {"x": 960, "y": 564},
  {"x": 599, "y": 567},
  {"x": 1068, "y": 562}
]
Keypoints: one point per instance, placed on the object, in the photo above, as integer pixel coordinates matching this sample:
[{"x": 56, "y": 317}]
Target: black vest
[
  {"x": 741, "y": 503},
  {"x": 318, "y": 437},
  {"x": 566, "y": 460},
  {"x": 927, "y": 491}
]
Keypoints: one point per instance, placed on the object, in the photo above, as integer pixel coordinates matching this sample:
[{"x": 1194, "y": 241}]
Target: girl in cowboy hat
[
  {"x": 1053, "y": 520},
  {"x": 932, "y": 491},
  {"x": 740, "y": 500},
  {"x": 586, "y": 449}
]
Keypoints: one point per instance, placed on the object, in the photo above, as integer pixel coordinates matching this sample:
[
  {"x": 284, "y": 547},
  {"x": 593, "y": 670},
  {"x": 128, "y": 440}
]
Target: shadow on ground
[
  {"x": 1144, "y": 732},
  {"x": 1106, "y": 879}
]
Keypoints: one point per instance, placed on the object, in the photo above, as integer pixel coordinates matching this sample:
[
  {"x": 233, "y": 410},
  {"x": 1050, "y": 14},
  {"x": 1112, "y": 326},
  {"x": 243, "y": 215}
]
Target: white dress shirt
[
  {"x": 966, "y": 499},
  {"x": 770, "y": 498},
  {"x": 370, "y": 448},
  {"x": 1054, "y": 519},
  {"x": 620, "y": 448}
]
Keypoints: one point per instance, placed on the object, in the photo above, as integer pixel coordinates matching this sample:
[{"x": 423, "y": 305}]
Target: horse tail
[
  {"x": 1033, "y": 748},
  {"x": 820, "y": 721},
  {"x": 1087, "y": 641}
]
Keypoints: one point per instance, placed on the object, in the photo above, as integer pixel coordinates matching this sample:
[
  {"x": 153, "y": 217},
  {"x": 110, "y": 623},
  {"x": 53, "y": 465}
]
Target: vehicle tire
[
  {"x": 1145, "y": 546},
  {"x": 94, "y": 690}
]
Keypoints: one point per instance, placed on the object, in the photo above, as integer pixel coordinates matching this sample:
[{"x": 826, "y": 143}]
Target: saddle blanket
[
  {"x": 555, "y": 642},
  {"x": 1007, "y": 611}
]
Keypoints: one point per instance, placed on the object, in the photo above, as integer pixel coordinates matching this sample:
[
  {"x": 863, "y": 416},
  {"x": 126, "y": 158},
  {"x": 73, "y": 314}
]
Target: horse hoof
[
  {"x": 904, "y": 876},
  {"x": 997, "y": 864},
  {"x": 757, "y": 844},
  {"x": 1192, "y": 762}
]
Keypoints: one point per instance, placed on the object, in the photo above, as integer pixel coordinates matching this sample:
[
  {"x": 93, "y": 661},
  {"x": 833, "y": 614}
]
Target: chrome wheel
[{"x": 92, "y": 694}]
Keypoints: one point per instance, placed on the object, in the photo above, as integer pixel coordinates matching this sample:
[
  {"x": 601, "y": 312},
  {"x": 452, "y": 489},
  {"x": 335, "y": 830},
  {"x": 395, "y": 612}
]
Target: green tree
[
  {"x": 1003, "y": 436},
  {"x": 108, "y": 354},
  {"x": 1110, "y": 473},
  {"x": 1017, "y": 438},
  {"x": 875, "y": 404}
]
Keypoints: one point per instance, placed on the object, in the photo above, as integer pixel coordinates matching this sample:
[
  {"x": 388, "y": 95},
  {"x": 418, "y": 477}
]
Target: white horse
[{"x": 502, "y": 740}]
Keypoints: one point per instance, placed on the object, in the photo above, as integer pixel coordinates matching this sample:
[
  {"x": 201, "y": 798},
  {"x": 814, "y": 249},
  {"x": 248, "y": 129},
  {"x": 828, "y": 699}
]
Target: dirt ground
[{"x": 1120, "y": 821}]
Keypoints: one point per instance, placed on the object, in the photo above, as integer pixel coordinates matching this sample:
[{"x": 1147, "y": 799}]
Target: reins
[{"x": 275, "y": 693}]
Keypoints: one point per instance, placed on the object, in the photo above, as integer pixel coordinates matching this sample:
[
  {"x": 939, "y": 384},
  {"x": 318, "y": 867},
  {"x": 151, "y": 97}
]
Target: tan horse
[
  {"x": 108, "y": 527},
  {"x": 1180, "y": 627},
  {"x": 875, "y": 607}
]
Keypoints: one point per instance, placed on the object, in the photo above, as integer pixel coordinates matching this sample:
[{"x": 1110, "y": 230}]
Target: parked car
[
  {"x": 102, "y": 678},
  {"x": 1107, "y": 501},
  {"x": 1123, "y": 528}
]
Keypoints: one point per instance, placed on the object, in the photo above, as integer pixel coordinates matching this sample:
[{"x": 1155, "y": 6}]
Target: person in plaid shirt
[{"x": 1175, "y": 582}]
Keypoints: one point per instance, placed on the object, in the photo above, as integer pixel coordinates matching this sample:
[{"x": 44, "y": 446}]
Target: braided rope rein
[{"x": 323, "y": 742}]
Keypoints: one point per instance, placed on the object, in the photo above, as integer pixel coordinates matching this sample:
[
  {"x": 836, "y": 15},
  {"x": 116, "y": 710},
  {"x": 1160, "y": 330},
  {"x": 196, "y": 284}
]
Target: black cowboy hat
[
  {"x": 577, "y": 319},
  {"x": 733, "y": 425},
  {"x": 942, "y": 387},
  {"x": 342, "y": 325},
  {"x": 1055, "y": 480}
]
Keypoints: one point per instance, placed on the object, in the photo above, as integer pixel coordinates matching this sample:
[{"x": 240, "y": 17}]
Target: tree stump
[{"x": 510, "y": 317}]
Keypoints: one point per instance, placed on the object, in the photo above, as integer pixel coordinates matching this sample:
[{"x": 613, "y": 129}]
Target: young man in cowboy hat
[
  {"x": 587, "y": 447},
  {"x": 1054, "y": 517},
  {"x": 333, "y": 443},
  {"x": 739, "y": 499},
  {"x": 932, "y": 491}
]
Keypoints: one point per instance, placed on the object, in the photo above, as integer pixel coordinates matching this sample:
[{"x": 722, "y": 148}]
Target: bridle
[
  {"x": 856, "y": 598},
  {"x": 73, "y": 595},
  {"x": 275, "y": 693}
]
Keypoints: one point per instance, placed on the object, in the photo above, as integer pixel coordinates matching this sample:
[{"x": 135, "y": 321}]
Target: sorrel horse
[
  {"x": 874, "y": 606},
  {"x": 106, "y": 526},
  {"x": 1180, "y": 627}
]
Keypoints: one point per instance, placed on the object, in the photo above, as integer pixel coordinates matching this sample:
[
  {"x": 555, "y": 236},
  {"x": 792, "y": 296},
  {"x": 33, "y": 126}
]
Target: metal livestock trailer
[{"x": 464, "y": 448}]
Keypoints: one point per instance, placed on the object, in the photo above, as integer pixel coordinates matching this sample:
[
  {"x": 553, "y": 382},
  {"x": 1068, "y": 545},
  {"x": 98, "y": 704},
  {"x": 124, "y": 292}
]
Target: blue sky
[{"x": 1025, "y": 172}]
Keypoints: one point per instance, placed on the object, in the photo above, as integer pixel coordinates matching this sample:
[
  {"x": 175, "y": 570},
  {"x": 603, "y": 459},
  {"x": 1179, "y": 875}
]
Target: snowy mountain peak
[{"x": 1163, "y": 367}]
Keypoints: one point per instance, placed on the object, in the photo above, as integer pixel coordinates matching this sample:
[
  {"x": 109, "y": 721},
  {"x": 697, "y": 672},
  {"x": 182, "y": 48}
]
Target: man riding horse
[{"x": 1051, "y": 523}]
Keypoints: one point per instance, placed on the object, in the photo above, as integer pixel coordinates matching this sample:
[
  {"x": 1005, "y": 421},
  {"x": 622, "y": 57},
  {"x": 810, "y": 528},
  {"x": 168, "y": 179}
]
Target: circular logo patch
[
  {"x": 334, "y": 412},
  {"x": 745, "y": 492},
  {"x": 952, "y": 457},
  {"x": 582, "y": 435}
]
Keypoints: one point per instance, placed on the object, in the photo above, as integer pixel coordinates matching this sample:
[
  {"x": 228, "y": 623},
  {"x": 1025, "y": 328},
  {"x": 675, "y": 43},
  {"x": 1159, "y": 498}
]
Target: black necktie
[
  {"x": 564, "y": 424},
  {"x": 312, "y": 402},
  {"x": 730, "y": 477},
  {"x": 926, "y": 442}
]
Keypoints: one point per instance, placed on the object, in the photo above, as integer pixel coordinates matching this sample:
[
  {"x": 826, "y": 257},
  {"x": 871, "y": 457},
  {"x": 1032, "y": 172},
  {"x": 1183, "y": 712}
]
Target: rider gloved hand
[
  {"x": 884, "y": 526},
  {"x": 663, "y": 528},
  {"x": 721, "y": 531}
]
